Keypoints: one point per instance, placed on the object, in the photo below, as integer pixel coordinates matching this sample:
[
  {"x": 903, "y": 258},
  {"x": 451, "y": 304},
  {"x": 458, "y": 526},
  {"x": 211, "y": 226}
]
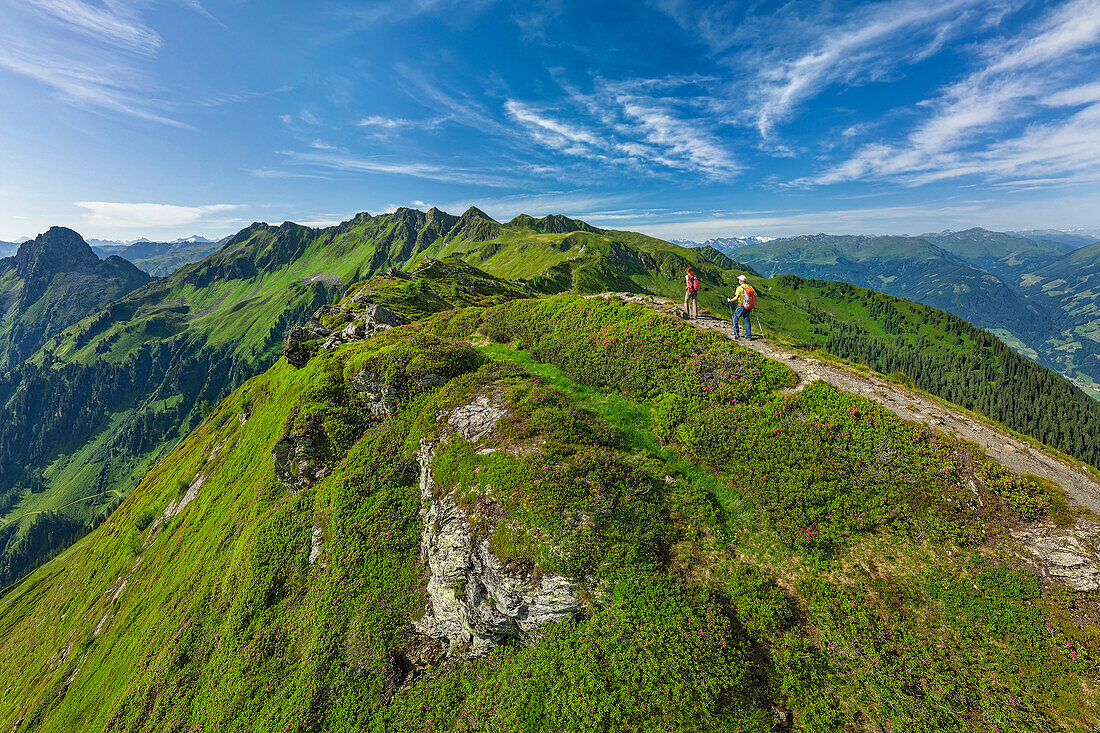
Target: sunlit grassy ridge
[
  {"x": 83, "y": 419},
  {"x": 744, "y": 550}
]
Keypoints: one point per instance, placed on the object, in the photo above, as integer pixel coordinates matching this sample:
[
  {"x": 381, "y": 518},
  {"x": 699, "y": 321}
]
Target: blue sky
[{"x": 127, "y": 118}]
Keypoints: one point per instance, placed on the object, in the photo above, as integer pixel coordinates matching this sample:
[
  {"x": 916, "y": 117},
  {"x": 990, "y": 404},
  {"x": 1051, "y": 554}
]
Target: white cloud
[
  {"x": 346, "y": 163},
  {"x": 559, "y": 131},
  {"x": 862, "y": 48},
  {"x": 969, "y": 131},
  {"x": 779, "y": 58},
  {"x": 1074, "y": 96},
  {"x": 631, "y": 123},
  {"x": 112, "y": 215},
  {"x": 385, "y": 125},
  {"x": 94, "y": 55},
  {"x": 308, "y": 117},
  {"x": 116, "y": 23}
]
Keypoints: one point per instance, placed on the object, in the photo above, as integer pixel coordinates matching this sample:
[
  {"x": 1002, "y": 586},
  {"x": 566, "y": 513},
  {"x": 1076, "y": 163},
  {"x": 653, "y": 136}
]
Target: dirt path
[{"x": 909, "y": 405}]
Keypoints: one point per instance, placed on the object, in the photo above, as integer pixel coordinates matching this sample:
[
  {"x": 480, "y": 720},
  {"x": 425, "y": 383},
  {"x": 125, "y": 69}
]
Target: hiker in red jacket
[
  {"x": 691, "y": 294},
  {"x": 746, "y": 301}
]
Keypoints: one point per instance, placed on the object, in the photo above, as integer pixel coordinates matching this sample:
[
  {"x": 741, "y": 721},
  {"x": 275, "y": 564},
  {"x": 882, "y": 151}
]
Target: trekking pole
[{"x": 760, "y": 328}]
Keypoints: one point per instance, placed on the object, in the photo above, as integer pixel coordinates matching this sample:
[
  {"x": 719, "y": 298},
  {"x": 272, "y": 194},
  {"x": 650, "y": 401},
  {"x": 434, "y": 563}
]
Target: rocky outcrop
[
  {"x": 359, "y": 320},
  {"x": 476, "y": 602},
  {"x": 1069, "y": 556},
  {"x": 381, "y": 397},
  {"x": 297, "y": 345},
  {"x": 366, "y": 319},
  {"x": 302, "y": 458}
]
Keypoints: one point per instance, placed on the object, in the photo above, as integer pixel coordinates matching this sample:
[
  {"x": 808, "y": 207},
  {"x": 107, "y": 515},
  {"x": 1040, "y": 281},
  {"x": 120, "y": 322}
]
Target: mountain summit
[{"x": 52, "y": 282}]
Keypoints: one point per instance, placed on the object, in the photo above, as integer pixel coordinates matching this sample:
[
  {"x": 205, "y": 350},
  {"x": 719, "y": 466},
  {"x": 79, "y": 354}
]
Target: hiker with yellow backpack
[{"x": 745, "y": 297}]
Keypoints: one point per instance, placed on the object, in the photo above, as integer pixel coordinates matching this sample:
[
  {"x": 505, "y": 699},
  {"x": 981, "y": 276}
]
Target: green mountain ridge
[
  {"x": 906, "y": 267},
  {"x": 85, "y": 417},
  {"x": 1005, "y": 255},
  {"x": 555, "y": 514}
]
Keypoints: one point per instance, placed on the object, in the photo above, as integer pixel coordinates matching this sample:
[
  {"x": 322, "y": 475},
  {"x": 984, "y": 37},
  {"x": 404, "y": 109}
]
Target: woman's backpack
[{"x": 693, "y": 284}]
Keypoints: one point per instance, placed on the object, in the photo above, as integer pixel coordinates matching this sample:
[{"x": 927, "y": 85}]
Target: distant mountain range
[
  {"x": 1037, "y": 293},
  {"x": 157, "y": 258},
  {"x": 724, "y": 244},
  {"x": 1073, "y": 237}
]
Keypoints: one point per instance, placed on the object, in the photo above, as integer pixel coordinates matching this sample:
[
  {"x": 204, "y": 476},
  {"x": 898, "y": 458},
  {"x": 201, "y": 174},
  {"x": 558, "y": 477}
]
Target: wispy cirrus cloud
[
  {"x": 94, "y": 55},
  {"x": 781, "y": 59},
  {"x": 632, "y": 122},
  {"x": 1032, "y": 79},
  {"x": 340, "y": 161}
]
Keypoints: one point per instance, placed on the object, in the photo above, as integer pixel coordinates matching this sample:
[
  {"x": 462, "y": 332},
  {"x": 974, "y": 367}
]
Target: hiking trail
[{"x": 1081, "y": 486}]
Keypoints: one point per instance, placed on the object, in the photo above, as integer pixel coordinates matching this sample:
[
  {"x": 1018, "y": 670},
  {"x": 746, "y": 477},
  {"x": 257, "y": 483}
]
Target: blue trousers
[{"x": 746, "y": 313}]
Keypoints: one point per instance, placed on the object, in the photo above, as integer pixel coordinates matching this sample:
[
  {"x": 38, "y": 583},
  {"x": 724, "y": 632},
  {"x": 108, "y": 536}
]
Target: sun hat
[{"x": 741, "y": 278}]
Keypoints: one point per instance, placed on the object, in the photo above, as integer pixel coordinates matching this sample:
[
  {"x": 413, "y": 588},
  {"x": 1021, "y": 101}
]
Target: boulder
[
  {"x": 301, "y": 458},
  {"x": 294, "y": 345}
]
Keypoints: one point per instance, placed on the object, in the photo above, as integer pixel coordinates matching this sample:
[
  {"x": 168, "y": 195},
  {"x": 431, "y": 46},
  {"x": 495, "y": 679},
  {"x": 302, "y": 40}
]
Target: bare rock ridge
[
  {"x": 358, "y": 320},
  {"x": 475, "y": 603}
]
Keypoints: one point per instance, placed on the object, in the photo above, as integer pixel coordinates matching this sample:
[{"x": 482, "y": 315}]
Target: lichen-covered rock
[
  {"x": 361, "y": 321},
  {"x": 475, "y": 602},
  {"x": 1068, "y": 556},
  {"x": 381, "y": 397},
  {"x": 294, "y": 345},
  {"x": 301, "y": 458},
  {"x": 477, "y": 419}
]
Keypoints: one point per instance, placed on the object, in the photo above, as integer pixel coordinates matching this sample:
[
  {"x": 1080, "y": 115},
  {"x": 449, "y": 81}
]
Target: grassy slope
[
  {"x": 789, "y": 564},
  {"x": 237, "y": 302},
  {"x": 216, "y": 322}
]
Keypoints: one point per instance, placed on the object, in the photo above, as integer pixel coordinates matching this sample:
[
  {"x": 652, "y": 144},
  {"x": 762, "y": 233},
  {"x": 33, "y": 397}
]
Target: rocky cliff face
[{"x": 476, "y": 602}]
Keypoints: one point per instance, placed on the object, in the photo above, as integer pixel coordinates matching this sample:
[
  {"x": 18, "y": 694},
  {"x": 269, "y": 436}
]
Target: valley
[{"x": 1038, "y": 294}]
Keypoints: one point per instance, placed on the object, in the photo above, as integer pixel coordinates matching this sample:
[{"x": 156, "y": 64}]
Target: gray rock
[
  {"x": 380, "y": 396},
  {"x": 1066, "y": 556},
  {"x": 477, "y": 419},
  {"x": 475, "y": 603},
  {"x": 377, "y": 316},
  {"x": 301, "y": 459},
  {"x": 293, "y": 345}
]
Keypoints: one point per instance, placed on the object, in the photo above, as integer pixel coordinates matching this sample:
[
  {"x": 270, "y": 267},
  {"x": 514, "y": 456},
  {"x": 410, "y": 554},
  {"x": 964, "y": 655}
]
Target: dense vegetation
[
  {"x": 749, "y": 555},
  {"x": 948, "y": 357}
]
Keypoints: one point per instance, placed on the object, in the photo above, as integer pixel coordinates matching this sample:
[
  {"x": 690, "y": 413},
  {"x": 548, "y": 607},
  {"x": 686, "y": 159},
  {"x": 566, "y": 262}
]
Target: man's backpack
[
  {"x": 750, "y": 297},
  {"x": 693, "y": 284}
]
